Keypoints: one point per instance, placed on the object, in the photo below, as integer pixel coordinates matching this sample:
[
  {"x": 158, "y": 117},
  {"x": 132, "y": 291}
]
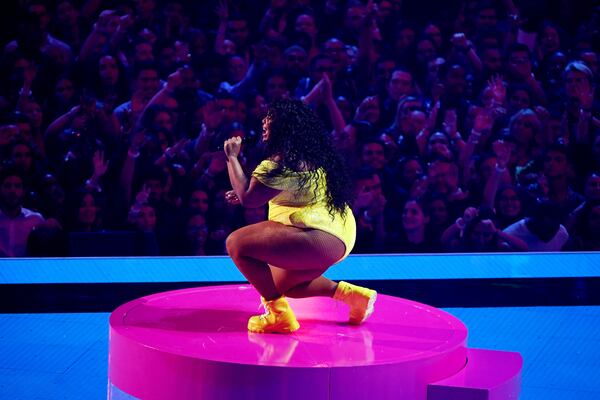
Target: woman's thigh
[{"x": 286, "y": 247}]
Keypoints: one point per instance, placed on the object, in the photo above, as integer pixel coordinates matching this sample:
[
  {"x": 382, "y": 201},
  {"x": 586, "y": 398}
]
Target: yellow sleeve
[{"x": 276, "y": 182}]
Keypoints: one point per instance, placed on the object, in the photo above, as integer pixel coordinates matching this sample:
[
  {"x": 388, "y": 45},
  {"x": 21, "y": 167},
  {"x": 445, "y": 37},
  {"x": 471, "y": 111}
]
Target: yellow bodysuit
[{"x": 302, "y": 209}]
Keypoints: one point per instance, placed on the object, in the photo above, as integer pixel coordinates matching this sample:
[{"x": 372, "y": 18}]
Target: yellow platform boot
[
  {"x": 278, "y": 318},
  {"x": 361, "y": 300}
]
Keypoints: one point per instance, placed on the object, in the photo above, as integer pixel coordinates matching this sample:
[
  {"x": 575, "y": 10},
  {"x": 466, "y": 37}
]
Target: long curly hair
[{"x": 300, "y": 142}]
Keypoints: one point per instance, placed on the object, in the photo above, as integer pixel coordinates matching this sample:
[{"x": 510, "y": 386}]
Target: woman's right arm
[{"x": 251, "y": 193}]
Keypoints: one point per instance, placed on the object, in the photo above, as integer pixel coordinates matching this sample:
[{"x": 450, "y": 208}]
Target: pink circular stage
[{"x": 193, "y": 343}]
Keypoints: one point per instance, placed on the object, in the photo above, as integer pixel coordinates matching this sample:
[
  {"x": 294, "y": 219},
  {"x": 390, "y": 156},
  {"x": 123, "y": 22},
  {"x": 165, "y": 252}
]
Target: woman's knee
[
  {"x": 232, "y": 244},
  {"x": 239, "y": 243}
]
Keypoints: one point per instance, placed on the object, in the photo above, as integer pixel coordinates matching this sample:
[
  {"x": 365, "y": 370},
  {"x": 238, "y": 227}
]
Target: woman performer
[{"x": 310, "y": 226}]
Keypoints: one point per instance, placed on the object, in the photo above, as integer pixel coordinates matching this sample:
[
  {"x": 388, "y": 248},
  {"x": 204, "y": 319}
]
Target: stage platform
[{"x": 193, "y": 343}]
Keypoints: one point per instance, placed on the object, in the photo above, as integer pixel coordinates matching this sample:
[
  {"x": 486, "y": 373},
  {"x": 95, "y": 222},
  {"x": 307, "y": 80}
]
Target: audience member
[{"x": 16, "y": 221}]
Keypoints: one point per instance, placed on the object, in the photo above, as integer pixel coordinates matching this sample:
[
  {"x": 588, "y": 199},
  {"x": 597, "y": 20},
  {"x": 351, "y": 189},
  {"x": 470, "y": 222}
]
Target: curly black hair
[{"x": 300, "y": 142}]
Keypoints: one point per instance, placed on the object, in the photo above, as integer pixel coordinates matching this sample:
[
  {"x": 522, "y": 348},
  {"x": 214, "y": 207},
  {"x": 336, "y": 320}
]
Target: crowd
[{"x": 468, "y": 125}]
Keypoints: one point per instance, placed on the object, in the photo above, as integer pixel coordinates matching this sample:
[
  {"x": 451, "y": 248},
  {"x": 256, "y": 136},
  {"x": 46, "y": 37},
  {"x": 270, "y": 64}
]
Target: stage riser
[{"x": 193, "y": 344}]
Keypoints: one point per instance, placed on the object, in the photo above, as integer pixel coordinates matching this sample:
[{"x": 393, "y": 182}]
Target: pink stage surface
[{"x": 193, "y": 344}]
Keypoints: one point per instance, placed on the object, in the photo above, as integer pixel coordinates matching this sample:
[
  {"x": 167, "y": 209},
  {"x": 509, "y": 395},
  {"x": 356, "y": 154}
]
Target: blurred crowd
[{"x": 467, "y": 125}]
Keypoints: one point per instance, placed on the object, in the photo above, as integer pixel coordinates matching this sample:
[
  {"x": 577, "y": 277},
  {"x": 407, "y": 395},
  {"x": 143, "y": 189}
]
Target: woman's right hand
[{"x": 232, "y": 147}]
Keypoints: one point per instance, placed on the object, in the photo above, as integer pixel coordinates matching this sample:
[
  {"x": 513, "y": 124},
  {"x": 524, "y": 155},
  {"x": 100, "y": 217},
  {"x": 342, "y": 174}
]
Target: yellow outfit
[{"x": 302, "y": 209}]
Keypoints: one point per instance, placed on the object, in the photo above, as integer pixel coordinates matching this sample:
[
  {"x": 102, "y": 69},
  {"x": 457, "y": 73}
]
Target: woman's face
[
  {"x": 509, "y": 203},
  {"x": 413, "y": 217},
  {"x": 266, "y": 123},
  {"x": 87, "y": 210}
]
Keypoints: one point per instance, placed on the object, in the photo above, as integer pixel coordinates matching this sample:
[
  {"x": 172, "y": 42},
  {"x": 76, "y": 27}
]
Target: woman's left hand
[
  {"x": 232, "y": 198},
  {"x": 233, "y": 146}
]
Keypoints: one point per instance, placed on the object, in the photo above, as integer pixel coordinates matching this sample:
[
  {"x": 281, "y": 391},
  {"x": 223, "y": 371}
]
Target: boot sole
[{"x": 274, "y": 330}]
